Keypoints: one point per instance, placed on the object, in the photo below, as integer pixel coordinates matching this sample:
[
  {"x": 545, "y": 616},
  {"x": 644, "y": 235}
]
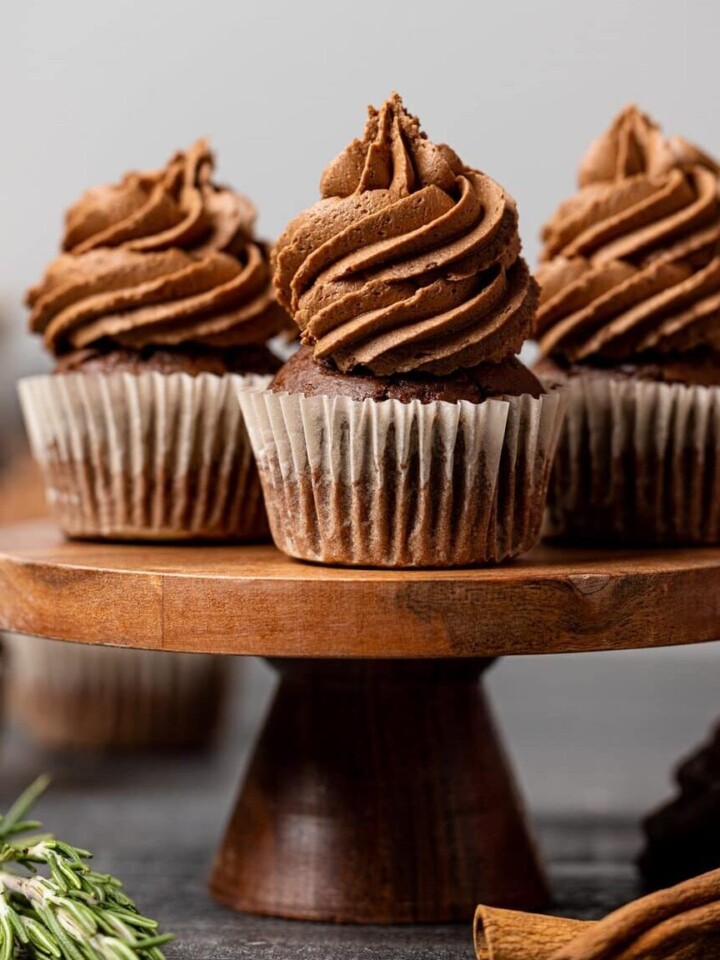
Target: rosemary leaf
[{"x": 53, "y": 906}]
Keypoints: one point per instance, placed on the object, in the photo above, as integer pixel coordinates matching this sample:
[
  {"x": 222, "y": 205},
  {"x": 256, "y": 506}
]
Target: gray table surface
[{"x": 155, "y": 822}]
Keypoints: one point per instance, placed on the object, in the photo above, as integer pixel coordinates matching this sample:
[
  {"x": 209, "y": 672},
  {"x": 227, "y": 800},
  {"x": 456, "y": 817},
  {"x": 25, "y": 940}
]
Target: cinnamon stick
[
  {"x": 512, "y": 935},
  {"x": 680, "y": 923}
]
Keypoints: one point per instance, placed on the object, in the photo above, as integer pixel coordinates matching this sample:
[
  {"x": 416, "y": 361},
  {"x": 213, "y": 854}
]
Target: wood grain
[
  {"x": 153, "y": 820},
  {"x": 255, "y": 601},
  {"x": 378, "y": 793}
]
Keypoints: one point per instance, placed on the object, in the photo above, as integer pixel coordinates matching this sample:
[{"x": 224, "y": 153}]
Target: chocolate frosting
[
  {"x": 163, "y": 259},
  {"x": 410, "y": 262},
  {"x": 631, "y": 263}
]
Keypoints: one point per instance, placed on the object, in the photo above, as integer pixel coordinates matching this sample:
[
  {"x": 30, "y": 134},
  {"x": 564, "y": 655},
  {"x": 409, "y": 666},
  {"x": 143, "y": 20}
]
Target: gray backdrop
[{"x": 91, "y": 88}]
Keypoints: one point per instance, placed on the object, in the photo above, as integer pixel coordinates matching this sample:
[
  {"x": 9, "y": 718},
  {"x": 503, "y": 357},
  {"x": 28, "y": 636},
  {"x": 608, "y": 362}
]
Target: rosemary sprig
[{"x": 53, "y": 906}]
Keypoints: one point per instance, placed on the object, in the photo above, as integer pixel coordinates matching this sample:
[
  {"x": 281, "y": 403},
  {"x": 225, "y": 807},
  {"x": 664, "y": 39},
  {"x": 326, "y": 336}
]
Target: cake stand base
[{"x": 378, "y": 793}]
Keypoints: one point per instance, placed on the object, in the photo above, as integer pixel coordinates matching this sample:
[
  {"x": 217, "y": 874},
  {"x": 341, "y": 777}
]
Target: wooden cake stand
[{"x": 378, "y": 791}]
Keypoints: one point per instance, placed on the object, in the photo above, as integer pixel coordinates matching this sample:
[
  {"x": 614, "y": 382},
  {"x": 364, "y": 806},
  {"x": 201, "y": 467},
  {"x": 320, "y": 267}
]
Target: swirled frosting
[
  {"x": 631, "y": 263},
  {"x": 164, "y": 258},
  {"x": 409, "y": 262}
]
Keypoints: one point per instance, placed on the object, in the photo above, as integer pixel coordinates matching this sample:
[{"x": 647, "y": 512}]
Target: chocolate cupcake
[
  {"x": 404, "y": 433},
  {"x": 157, "y": 311},
  {"x": 629, "y": 317}
]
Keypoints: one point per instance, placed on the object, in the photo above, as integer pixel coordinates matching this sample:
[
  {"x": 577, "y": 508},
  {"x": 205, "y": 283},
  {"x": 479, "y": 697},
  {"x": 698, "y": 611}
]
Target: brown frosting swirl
[
  {"x": 160, "y": 259},
  {"x": 631, "y": 263},
  {"x": 410, "y": 262}
]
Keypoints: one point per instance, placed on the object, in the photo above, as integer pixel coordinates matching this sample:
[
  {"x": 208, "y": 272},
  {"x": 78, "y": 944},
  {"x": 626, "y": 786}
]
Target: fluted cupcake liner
[
  {"x": 149, "y": 456},
  {"x": 393, "y": 484},
  {"x": 73, "y": 695},
  {"x": 637, "y": 462}
]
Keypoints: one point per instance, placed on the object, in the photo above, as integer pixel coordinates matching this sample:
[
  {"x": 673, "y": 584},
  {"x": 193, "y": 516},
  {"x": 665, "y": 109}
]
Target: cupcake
[
  {"x": 158, "y": 309},
  {"x": 404, "y": 433},
  {"x": 629, "y": 318}
]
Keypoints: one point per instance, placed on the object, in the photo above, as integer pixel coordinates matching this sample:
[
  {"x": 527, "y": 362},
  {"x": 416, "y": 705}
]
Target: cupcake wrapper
[
  {"x": 148, "y": 456},
  {"x": 394, "y": 484},
  {"x": 71, "y": 695},
  {"x": 638, "y": 462}
]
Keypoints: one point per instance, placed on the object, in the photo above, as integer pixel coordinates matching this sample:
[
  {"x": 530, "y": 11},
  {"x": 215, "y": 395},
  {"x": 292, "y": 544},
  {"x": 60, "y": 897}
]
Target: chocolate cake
[{"x": 312, "y": 378}]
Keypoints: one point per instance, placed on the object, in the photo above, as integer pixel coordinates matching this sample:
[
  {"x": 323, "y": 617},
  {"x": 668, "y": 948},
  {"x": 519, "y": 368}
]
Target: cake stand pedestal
[{"x": 378, "y": 791}]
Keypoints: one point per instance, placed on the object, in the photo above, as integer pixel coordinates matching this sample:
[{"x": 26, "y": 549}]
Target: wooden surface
[
  {"x": 154, "y": 821},
  {"x": 253, "y": 600},
  {"x": 378, "y": 793}
]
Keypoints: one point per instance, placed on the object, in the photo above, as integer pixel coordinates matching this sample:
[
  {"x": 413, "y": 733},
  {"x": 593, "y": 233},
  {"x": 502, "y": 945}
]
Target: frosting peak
[
  {"x": 161, "y": 258},
  {"x": 178, "y": 206},
  {"x": 632, "y": 145},
  {"x": 409, "y": 262},
  {"x": 393, "y": 155},
  {"x": 631, "y": 263}
]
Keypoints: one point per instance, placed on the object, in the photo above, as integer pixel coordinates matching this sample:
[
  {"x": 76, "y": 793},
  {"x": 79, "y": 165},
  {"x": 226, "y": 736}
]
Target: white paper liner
[
  {"x": 394, "y": 484},
  {"x": 637, "y": 462},
  {"x": 145, "y": 456},
  {"x": 73, "y": 695}
]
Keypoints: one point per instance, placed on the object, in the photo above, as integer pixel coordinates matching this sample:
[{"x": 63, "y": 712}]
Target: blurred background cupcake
[
  {"x": 70, "y": 696},
  {"x": 159, "y": 307},
  {"x": 405, "y": 432},
  {"x": 75, "y": 696},
  {"x": 630, "y": 317}
]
